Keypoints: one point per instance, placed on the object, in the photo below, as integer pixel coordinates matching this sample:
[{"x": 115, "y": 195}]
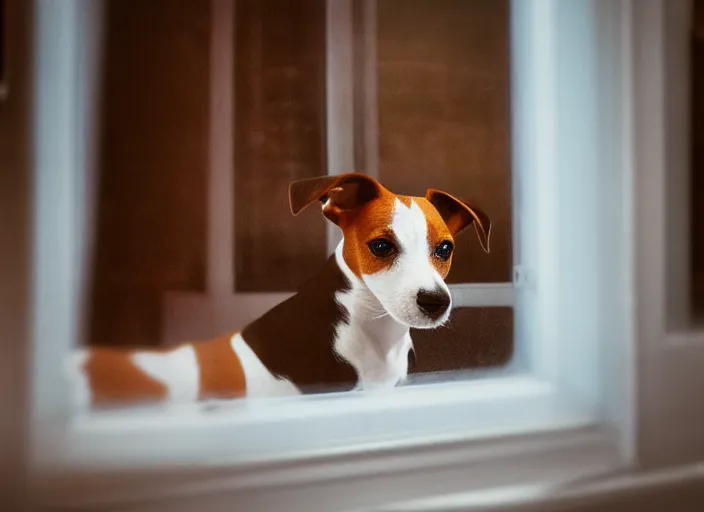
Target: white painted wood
[
  {"x": 221, "y": 177},
  {"x": 534, "y": 177},
  {"x": 482, "y": 295},
  {"x": 58, "y": 210},
  {"x": 369, "y": 109},
  {"x": 615, "y": 85},
  {"x": 194, "y": 316},
  {"x": 339, "y": 65},
  {"x": 281, "y": 428},
  {"x": 355, "y": 476}
]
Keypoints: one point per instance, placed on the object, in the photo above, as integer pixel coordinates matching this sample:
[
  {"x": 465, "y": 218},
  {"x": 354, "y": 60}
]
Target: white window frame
[{"x": 575, "y": 411}]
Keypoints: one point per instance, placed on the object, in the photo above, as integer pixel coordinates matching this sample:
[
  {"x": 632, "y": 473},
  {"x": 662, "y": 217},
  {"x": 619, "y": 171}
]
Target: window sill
[{"x": 517, "y": 431}]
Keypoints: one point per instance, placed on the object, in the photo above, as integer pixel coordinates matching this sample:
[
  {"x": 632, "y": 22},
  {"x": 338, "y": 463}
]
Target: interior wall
[
  {"x": 15, "y": 247},
  {"x": 444, "y": 115},
  {"x": 697, "y": 159},
  {"x": 280, "y": 136},
  {"x": 151, "y": 211}
]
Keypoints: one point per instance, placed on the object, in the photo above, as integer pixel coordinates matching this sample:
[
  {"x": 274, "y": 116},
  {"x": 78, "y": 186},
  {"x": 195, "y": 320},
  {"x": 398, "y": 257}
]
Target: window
[{"x": 571, "y": 163}]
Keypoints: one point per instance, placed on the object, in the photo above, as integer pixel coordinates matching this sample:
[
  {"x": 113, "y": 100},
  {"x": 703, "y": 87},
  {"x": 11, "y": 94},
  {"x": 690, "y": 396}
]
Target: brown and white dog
[{"x": 346, "y": 328}]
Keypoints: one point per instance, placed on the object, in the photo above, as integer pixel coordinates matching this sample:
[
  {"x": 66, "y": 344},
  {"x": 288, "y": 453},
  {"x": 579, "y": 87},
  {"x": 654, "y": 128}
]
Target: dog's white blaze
[
  {"x": 260, "y": 381},
  {"x": 373, "y": 342},
  {"x": 177, "y": 370},
  {"x": 412, "y": 271}
]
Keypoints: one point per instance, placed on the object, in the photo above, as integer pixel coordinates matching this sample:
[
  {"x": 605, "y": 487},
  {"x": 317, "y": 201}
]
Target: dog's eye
[
  {"x": 381, "y": 247},
  {"x": 444, "y": 250}
]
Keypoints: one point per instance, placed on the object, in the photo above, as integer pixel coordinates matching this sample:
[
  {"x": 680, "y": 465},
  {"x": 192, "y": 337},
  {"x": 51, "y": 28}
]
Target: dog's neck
[
  {"x": 334, "y": 332},
  {"x": 375, "y": 326}
]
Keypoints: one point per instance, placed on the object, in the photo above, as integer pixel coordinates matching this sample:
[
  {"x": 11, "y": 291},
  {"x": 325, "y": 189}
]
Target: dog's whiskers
[{"x": 385, "y": 313}]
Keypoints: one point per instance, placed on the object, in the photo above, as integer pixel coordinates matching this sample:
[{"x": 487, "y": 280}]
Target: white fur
[
  {"x": 177, "y": 370},
  {"x": 397, "y": 287},
  {"x": 260, "y": 381},
  {"x": 373, "y": 342}
]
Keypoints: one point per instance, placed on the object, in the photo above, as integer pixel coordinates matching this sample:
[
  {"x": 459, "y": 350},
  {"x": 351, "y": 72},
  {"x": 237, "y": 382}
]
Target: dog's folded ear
[
  {"x": 458, "y": 215},
  {"x": 338, "y": 193}
]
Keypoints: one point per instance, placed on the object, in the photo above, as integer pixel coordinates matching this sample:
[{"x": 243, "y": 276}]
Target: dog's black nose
[{"x": 434, "y": 303}]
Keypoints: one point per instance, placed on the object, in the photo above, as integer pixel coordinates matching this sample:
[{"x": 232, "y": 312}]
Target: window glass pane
[{"x": 440, "y": 94}]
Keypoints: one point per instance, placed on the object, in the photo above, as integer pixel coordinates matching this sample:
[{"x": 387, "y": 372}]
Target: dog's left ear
[
  {"x": 339, "y": 194},
  {"x": 458, "y": 215}
]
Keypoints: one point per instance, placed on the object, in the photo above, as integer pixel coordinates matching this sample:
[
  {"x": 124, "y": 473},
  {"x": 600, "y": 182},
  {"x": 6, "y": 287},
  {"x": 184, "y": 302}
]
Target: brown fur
[
  {"x": 221, "y": 372},
  {"x": 438, "y": 232},
  {"x": 361, "y": 227},
  {"x": 114, "y": 378}
]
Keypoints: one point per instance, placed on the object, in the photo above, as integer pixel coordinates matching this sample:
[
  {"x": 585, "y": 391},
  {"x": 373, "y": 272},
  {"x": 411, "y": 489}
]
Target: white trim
[
  {"x": 193, "y": 316},
  {"x": 534, "y": 180},
  {"x": 281, "y": 429},
  {"x": 221, "y": 195},
  {"x": 616, "y": 99},
  {"x": 366, "y": 31},
  {"x": 58, "y": 201},
  {"x": 565, "y": 449},
  {"x": 339, "y": 93},
  {"x": 482, "y": 295}
]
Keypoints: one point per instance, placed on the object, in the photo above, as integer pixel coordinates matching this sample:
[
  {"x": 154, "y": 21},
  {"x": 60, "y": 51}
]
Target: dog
[{"x": 346, "y": 328}]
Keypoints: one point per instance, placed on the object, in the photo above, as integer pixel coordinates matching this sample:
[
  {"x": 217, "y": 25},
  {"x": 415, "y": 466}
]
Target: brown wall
[
  {"x": 152, "y": 194},
  {"x": 444, "y": 119},
  {"x": 279, "y": 138},
  {"x": 697, "y": 148},
  {"x": 15, "y": 253}
]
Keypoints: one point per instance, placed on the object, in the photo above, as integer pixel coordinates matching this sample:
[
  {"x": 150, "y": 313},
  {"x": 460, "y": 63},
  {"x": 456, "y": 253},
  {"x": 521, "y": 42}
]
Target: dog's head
[{"x": 400, "y": 247}]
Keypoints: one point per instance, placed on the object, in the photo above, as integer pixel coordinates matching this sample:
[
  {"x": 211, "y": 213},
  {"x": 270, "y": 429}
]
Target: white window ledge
[{"x": 519, "y": 432}]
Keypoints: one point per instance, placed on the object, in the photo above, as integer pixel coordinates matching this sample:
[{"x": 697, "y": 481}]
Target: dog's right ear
[{"x": 339, "y": 193}]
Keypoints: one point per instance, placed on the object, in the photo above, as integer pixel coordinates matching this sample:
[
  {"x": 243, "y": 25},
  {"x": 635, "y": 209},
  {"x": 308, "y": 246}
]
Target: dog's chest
[{"x": 378, "y": 361}]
